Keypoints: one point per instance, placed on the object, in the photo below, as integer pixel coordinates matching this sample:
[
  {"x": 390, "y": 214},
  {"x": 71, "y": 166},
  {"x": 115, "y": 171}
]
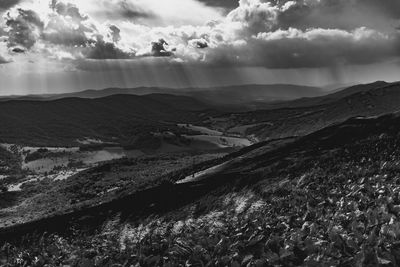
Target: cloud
[
  {"x": 158, "y": 49},
  {"x": 390, "y": 8},
  {"x": 199, "y": 43},
  {"x": 228, "y": 4},
  {"x": 264, "y": 33},
  {"x": 106, "y": 50},
  {"x": 18, "y": 50},
  {"x": 153, "y": 13},
  {"x": 129, "y": 10},
  {"x": 4, "y": 61},
  {"x": 67, "y": 10},
  {"x": 64, "y": 31},
  {"x": 24, "y": 27},
  {"x": 6, "y": 4},
  {"x": 67, "y": 25},
  {"x": 341, "y": 14},
  {"x": 115, "y": 33},
  {"x": 294, "y": 48},
  {"x": 301, "y": 34},
  {"x": 118, "y": 10}
]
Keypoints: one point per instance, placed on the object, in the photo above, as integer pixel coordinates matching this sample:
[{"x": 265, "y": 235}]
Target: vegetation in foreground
[{"x": 111, "y": 180}]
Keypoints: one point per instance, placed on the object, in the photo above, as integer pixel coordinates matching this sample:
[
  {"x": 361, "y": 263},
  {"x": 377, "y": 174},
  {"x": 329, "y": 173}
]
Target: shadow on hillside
[
  {"x": 8, "y": 199},
  {"x": 157, "y": 200}
]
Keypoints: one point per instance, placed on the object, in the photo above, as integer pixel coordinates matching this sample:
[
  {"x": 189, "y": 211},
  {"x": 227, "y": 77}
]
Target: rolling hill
[
  {"x": 122, "y": 118},
  {"x": 309, "y": 115},
  {"x": 117, "y": 118},
  {"x": 331, "y": 97}
]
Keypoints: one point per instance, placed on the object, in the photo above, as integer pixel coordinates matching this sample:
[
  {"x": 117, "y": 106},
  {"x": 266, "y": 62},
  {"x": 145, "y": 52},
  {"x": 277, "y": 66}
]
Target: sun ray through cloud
[{"x": 277, "y": 36}]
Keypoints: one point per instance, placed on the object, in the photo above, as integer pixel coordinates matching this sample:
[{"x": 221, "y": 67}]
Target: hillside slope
[
  {"x": 299, "y": 121},
  {"x": 331, "y": 97},
  {"x": 115, "y": 118},
  {"x": 328, "y": 199}
]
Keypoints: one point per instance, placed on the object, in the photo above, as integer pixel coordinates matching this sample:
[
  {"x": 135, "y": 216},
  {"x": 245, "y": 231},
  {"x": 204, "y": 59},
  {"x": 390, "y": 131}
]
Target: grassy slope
[
  {"x": 111, "y": 180},
  {"x": 328, "y": 199}
]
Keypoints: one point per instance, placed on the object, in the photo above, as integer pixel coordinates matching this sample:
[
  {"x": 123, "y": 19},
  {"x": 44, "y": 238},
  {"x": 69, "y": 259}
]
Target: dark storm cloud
[
  {"x": 389, "y": 7},
  {"x": 158, "y": 49},
  {"x": 327, "y": 49},
  {"x": 115, "y": 33},
  {"x": 107, "y": 50},
  {"x": 309, "y": 49},
  {"x": 275, "y": 34},
  {"x": 199, "y": 43},
  {"x": 304, "y": 34},
  {"x": 67, "y": 29},
  {"x": 24, "y": 28},
  {"x": 265, "y": 33},
  {"x": 125, "y": 10},
  {"x": 82, "y": 34},
  {"x": 67, "y": 9},
  {"x": 131, "y": 11},
  {"x": 17, "y": 50},
  {"x": 228, "y": 4},
  {"x": 6, "y": 4},
  {"x": 342, "y": 14}
]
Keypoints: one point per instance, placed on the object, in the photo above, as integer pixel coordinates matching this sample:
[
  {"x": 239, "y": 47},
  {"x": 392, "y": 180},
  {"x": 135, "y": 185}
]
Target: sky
[{"x": 54, "y": 46}]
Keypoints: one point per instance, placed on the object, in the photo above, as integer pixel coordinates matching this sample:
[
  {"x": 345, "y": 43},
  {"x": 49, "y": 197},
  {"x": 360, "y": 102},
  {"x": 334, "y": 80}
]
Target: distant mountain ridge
[
  {"x": 124, "y": 116},
  {"x": 332, "y": 96},
  {"x": 245, "y": 95}
]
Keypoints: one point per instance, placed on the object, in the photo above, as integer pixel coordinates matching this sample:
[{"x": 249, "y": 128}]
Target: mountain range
[
  {"x": 249, "y": 96},
  {"x": 123, "y": 118}
]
